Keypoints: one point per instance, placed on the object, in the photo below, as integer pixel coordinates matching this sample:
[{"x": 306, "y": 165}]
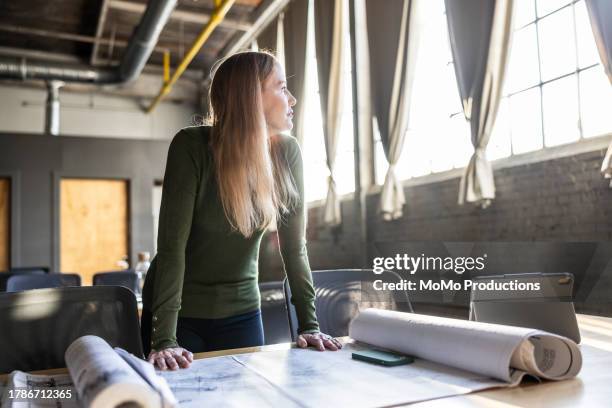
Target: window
[
  {"x": 438, "y": 135},
  {"x": 315, "y": 167},
  {"x": 555, "y": 91}
]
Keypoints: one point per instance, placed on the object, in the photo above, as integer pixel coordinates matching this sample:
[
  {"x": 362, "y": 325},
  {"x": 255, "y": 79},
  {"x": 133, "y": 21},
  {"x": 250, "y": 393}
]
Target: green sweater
[{"x": 203, "y": 268}]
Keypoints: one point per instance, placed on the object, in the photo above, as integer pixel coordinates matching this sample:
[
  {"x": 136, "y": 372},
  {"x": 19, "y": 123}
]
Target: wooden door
[
  {"x": 5, "y": 223},
  {"x": 93, "y": 226}
]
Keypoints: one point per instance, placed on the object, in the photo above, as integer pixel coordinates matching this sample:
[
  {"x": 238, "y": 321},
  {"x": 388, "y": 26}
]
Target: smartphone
[{"x": 384, "y": 358}]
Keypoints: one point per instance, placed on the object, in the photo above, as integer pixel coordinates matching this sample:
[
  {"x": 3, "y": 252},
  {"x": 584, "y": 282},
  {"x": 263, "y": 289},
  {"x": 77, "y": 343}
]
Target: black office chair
[
  {"x": 5, "y": 276},
  {"x": 39, "y": 325},
  {"x": 29, "y": 269},
  {"x": 342, "y": 293},
  {"x": 53, "y": 280},
  {"x": 274, "y": 313},
  {"x": 126, "y": 278}
]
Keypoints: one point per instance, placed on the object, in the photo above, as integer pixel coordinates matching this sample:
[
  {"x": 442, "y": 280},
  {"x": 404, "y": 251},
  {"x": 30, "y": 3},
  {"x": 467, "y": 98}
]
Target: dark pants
[{"x": 199, "y": 335}]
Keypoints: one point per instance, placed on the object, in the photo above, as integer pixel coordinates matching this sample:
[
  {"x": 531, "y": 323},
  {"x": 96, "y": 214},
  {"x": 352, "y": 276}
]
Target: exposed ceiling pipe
[
  {"x": 262, "y": 19},
  {"x": 221, "y": 9},
  {"x": 140, "y": 47},
  {"x": 52, "y": 113},
  {"x": 69, "y": 36}
]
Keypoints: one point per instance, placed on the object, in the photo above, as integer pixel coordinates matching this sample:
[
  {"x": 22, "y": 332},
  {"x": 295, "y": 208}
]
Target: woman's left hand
[{"x": 319, "y": 340}]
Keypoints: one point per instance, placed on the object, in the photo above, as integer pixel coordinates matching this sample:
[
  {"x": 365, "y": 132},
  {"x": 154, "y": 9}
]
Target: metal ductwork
[
  {"x": 139, "y": 49},
  {"x": 52, "y": 108}
]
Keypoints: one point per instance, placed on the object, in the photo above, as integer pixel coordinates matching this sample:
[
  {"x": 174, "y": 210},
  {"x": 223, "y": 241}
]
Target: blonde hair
[{"x": 252, "y": 173}]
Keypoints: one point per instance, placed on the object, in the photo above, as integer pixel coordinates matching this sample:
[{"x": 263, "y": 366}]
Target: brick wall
[{"x": 563, "y": 199}]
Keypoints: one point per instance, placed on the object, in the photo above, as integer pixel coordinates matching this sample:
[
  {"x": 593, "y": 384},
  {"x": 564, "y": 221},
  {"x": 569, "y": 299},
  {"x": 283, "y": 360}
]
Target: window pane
[
  {"x": 587, "y": 49},
  {"x": 315, "y": 167},
  {"x": 430, "y": 110},
  {"x": 595, "y": 102},
  {"x": 315, "y": 170},
  {"x": 416, "y": 156},
  {"x": 524, "y": 12},
  {"x": 499, "y": 144},
  {"x": 560, "y": 105},
  {"x": 548, "y": 6},
  {"x": 440, "y": 149},
  {"x": 313, "y": 148},
  {"x": 315, "y": 181},
  {"x": 450, "y": 93},
  {"x": 557, "y": 46},
  {"x": 526, "y": 121},
  {"x": 345, "y": 172},
  {"x": 523, "y": 67}
]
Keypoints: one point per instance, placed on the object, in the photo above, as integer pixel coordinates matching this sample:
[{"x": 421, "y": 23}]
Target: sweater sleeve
[
  {"x": 291, "y": 234},
  {"x": 176, "y": 212}
]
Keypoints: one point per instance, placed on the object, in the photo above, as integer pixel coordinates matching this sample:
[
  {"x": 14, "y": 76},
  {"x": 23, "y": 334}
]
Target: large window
[
  {"x": 555, "y": 91},
  {"x": 315, "y": 167},
  {"x": 438, "y": 135}
]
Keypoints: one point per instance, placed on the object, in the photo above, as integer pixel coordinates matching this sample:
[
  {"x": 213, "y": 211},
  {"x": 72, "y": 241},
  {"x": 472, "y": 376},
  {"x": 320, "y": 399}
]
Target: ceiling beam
[
  {"x": 93, "y": 60},
  {"x": 69, "y": 36},
  {"x": 186, "y": 16},
  {"x": 265, "y": 13},
  {"x": 39, "y": 55}
]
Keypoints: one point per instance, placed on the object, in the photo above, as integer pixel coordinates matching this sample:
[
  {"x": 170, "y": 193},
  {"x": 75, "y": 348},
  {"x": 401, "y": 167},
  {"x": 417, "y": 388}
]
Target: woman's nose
[{"x": 292, "y": 100}]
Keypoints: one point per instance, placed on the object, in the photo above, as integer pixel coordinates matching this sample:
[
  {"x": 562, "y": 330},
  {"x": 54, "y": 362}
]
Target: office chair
[
  {"x": 126, "y": 278},
  {"x": 5, "y": 276},
  {"x": 274, "y": 313},
  {"x": 39, "y": 325},
  {"x": 30, "y": 281},
  {"x": 342, "y": 293},
  {"x": 29, "y": 269}
]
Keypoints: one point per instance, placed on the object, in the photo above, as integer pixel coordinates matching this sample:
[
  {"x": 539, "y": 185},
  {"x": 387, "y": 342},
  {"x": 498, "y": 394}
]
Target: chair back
[
  {"x": 274, "y": 313},
  {"x": 29, "y": 269},
  {"x": 39, "y": 325},
  {"x": 341, "y": 293},
  {"x": 5, "y": 276},
  {"x": 37, "y": 281},
  {"x": 126, "y": 278}
]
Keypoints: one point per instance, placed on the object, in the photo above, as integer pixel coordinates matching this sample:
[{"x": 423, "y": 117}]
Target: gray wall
[
  {"x": 93, "y": 114},
  {"x": 36, "y": 163}
]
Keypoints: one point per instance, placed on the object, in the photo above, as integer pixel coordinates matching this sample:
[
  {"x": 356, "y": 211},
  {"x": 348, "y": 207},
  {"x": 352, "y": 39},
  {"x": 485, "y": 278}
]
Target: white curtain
[
  {"x": 480, "y": 32},
  {"x": 393, "y": 36},
  {"x": 329, "y": 28},
  {"x": 600, "y": 14}
]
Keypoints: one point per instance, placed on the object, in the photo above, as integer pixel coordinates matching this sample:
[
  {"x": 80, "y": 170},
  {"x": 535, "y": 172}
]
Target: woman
[{"x": 224, "y": 184}]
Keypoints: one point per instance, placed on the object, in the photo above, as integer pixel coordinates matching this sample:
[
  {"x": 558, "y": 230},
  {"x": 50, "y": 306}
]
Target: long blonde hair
[{"x": 252, "y": 173}]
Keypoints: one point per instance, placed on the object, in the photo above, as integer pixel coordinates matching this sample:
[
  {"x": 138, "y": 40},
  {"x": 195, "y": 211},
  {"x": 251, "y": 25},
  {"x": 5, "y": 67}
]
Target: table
[{"x": 592, "y": 387}]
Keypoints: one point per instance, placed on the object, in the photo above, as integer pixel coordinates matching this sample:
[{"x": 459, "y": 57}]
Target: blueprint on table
[{"x": 309, "y": 378}]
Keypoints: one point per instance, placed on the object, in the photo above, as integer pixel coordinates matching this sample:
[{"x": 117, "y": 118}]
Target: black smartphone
[{"x": 384, "y": 358}]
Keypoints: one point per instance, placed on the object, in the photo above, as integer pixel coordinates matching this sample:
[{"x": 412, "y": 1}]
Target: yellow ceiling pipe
[
  {"x": 221, "y": 9},
  {"x": 166, "y": 66}
]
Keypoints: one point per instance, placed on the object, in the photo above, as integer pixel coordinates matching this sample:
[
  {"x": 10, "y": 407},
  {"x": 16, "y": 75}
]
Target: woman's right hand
[{"x": 170, "y": 358}]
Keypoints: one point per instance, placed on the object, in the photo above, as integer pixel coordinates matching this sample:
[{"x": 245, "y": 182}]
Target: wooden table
[{"x": 592, "y": 387}]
